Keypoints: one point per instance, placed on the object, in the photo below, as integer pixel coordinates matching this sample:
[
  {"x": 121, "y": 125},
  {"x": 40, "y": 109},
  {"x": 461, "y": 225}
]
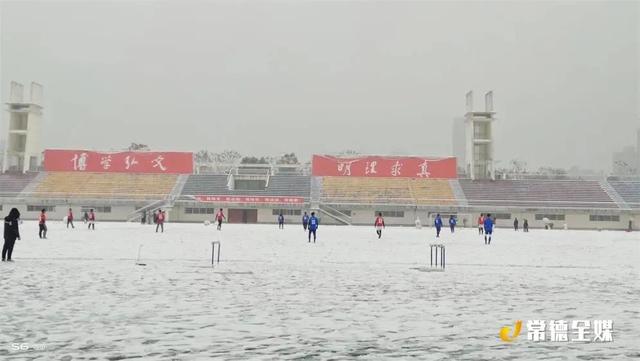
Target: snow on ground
[{"x": 79, "y": 296}]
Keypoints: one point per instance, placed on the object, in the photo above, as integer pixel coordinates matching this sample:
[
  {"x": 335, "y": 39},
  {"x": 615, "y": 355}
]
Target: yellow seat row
[
  {"x": 388, "y": 190},
  {"x": 105, "y": 185}
]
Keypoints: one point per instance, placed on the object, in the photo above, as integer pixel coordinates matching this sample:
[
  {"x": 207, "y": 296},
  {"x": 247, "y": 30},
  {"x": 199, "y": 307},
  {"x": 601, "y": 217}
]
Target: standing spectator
[
  {"x": 11, "y": 233},
  {"x": 42, "y": 224}
]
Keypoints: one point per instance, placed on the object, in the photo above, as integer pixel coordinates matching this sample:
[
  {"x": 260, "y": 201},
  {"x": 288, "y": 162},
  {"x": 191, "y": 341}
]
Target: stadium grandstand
[
  {"x": 340, "y": 194},
  {"x": 628, "y": 190},
  {"x": 116, "y": 186},
  {"x": 561, "y": 194},
  {"x": 129, "y": 185},
  {"x": 13, "y": 183}
]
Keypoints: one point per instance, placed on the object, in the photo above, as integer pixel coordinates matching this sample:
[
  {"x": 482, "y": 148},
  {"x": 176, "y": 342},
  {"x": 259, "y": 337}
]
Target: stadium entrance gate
[{"x": 243, "y": 216}]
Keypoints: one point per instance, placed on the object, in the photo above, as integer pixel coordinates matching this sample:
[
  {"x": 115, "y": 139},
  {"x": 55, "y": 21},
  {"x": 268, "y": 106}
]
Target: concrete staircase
[
  {"x": 613, "y": 194},
  {"x": 164, "y": 204},
  {"x": 458, "y": 193},
  {"x": 335, "y": 214}
]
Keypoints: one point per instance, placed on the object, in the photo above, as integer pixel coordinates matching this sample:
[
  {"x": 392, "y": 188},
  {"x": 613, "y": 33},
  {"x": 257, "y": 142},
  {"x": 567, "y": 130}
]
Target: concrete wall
[
  {"x": 265, "y": 213},
  {"x": 575, "y": 219},
  {"x": 361, "y": 215},
  {"x": 118, "y": 213}
]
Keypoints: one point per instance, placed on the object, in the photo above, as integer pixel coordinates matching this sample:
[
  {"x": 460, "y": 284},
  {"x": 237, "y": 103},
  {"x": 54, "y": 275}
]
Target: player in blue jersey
[
  {"x": 488, "y": 228},
  {"x": 305, "y": 221},
  {"x": 281, "y": 221},
  {"x": 313, "y": 226},
  {"x": 438, "y": 224}
]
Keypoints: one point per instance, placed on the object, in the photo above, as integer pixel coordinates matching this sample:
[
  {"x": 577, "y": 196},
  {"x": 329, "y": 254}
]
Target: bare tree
[
  {"x": 348, "y": 153},
  {"x": 518, "y": 166},
  {"x": 138, "y": 147},
  {"x": 226, "y": 157},
  {"x": 288, "y": 158},
  {"x": 553, "y": 173},
  {"x": 254, "y": 160}
]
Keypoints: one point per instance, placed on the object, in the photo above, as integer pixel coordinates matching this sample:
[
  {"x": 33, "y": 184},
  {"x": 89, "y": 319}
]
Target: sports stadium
[
  {"x": 251, "y": 290},
  {"x": 161, "y": 118}
]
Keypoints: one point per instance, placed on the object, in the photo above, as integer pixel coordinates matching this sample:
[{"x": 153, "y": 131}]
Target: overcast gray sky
[{"x": 267, "y": 77}]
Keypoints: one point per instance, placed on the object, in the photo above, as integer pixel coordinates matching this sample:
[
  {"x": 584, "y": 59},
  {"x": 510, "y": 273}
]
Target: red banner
[
  {"x": 118, "y": 162},
  {"x": 376, "y": 166},
  {"x": 250, "y": 199}
]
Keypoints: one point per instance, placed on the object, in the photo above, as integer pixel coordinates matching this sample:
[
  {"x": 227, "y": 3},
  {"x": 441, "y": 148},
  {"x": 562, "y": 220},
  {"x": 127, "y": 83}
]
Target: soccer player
[
  {"x": 452, "y": 223},
  {"x": 70, "y": 218},
  {"x": 488, "y": 228},
  {"x": 438, "y": 224},
  {"x": 219, "y": 217},
  {"x": 379, "y": 224},
  {"x": 160, "y": 221},
  {"x": 313, "y": 226},
  {"x": 92, "y": 219},
  {"x": 480, "y": 223},
  {"x": 305, "y": 221},
  {"x": 42, "y": 224},
  {"x": 280, "y": 221}
]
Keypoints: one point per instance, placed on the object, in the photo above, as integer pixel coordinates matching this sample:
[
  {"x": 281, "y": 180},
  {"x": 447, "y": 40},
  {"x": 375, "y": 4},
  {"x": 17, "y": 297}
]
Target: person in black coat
[{"x": 11, "y": 233}]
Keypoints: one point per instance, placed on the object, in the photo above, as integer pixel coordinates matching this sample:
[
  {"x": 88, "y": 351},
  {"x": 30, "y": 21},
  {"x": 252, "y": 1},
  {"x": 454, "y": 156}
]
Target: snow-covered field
[{"x": 79, "y": 296}]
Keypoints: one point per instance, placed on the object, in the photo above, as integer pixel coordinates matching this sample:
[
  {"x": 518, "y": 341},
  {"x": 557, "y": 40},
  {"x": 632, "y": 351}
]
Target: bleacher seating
[
  {"x": 387, "y": 190},
  {"x": 11, "y": 184},
  {"x": 212, "y": 184},
  {"x": 105, "y": 185},
  {"x": 629, "y": 191},
  {"x": 537, "y": 193}
]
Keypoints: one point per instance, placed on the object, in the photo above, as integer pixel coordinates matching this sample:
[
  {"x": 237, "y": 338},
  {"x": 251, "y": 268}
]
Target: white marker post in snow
[
  {"x": 138, "y": 258},
  {"x": 213, "y": 252},
  {"x": 439, "y": 253}
]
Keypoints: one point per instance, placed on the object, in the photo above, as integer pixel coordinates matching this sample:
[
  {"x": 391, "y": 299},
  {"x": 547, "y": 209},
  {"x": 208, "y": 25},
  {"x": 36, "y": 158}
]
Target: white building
[
  {"x": 479, "y": 159},
  {"x": 627, "y": 161},
  {"x": 459, "y": 143},
  {"x": 23, "y": 150}
]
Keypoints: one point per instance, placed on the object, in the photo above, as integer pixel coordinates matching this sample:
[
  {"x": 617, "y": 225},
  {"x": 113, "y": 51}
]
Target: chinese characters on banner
[
  {"x": 250, "y": 199},
  {"x": 580, "y": 331},
  {"x": 375, "y": 166},
  {"x": 118, "y": 162}
]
